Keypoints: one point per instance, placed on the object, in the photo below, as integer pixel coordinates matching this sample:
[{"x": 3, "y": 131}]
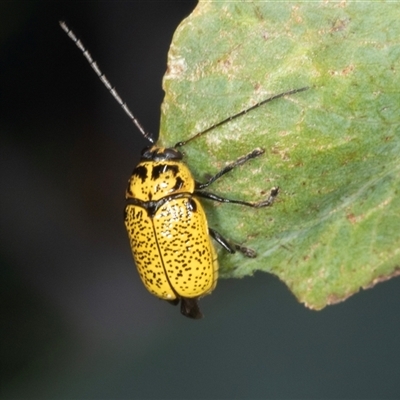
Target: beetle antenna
[
  {"x": 260, "y": 103},
  {"x": 105, "y": 81}
]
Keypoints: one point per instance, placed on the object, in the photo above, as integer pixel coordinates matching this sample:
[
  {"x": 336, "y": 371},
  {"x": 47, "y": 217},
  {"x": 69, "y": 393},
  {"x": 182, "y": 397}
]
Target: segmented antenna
[
  {"x": 260, "y": 103},
  {"x": 105, "y": 81}
]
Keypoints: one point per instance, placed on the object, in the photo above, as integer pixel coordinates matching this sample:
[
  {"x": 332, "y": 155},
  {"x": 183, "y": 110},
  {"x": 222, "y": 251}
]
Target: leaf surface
[{"x": 333, "y": 150}]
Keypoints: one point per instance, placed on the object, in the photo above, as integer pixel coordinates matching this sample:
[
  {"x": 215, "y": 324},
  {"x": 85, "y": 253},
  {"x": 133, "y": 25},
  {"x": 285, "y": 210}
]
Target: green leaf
[{"x": 333, "y": 150}]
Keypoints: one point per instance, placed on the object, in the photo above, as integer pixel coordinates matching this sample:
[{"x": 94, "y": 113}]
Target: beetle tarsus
[
  {"x": 246, "y": 251},
  {"x": 268, "y": 202},
  {"x": 190, "y": 308}
]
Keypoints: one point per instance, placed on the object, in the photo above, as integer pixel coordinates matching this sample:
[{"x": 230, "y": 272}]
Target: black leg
[
  {"x": 190, "y": 308},
  {"x": 211, "y": 196},
  {"x": 255, "y": 153},
  {"x": 263, "y": 203},
  {"x": 229, "y": 248},
  {"x": 221, "y": 241},
  {"x": 246, "y": 251}
]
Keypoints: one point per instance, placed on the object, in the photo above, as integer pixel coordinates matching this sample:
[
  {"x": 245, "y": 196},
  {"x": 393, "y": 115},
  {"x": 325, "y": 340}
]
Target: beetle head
[{"x": 155, "y": 153}]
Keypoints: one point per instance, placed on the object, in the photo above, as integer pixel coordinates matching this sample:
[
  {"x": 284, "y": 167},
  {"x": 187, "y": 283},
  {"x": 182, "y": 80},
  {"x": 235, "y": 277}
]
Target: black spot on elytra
[
  {"x": 162, "y": 169},
  {"x": 178, "y": 184},
  {"x": 141, "y": 172}
]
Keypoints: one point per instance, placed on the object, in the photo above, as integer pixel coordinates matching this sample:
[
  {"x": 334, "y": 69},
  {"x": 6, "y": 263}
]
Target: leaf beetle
[{"x": 167, "y": 227}]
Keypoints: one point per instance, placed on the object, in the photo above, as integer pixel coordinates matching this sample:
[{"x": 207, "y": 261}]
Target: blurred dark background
[{"x": 76, "y": 322}]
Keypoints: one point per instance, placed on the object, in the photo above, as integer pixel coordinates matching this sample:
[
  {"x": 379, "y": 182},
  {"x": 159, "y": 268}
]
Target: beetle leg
[
  {"x": 263, "y": 203},
  {"x": 221, "y": 241},
  {"x": 246, "y": 251},
  {"x": 190, "y": 308},
  {"x": 229, "y": 248},
  {"x": 255, "y": 153}
]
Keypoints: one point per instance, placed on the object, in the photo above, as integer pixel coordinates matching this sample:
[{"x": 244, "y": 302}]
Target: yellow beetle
[
  {"x": 168, "y": 232},
  {"x": 168, "y": 229},
  {"x": 166, "y": 224}
]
